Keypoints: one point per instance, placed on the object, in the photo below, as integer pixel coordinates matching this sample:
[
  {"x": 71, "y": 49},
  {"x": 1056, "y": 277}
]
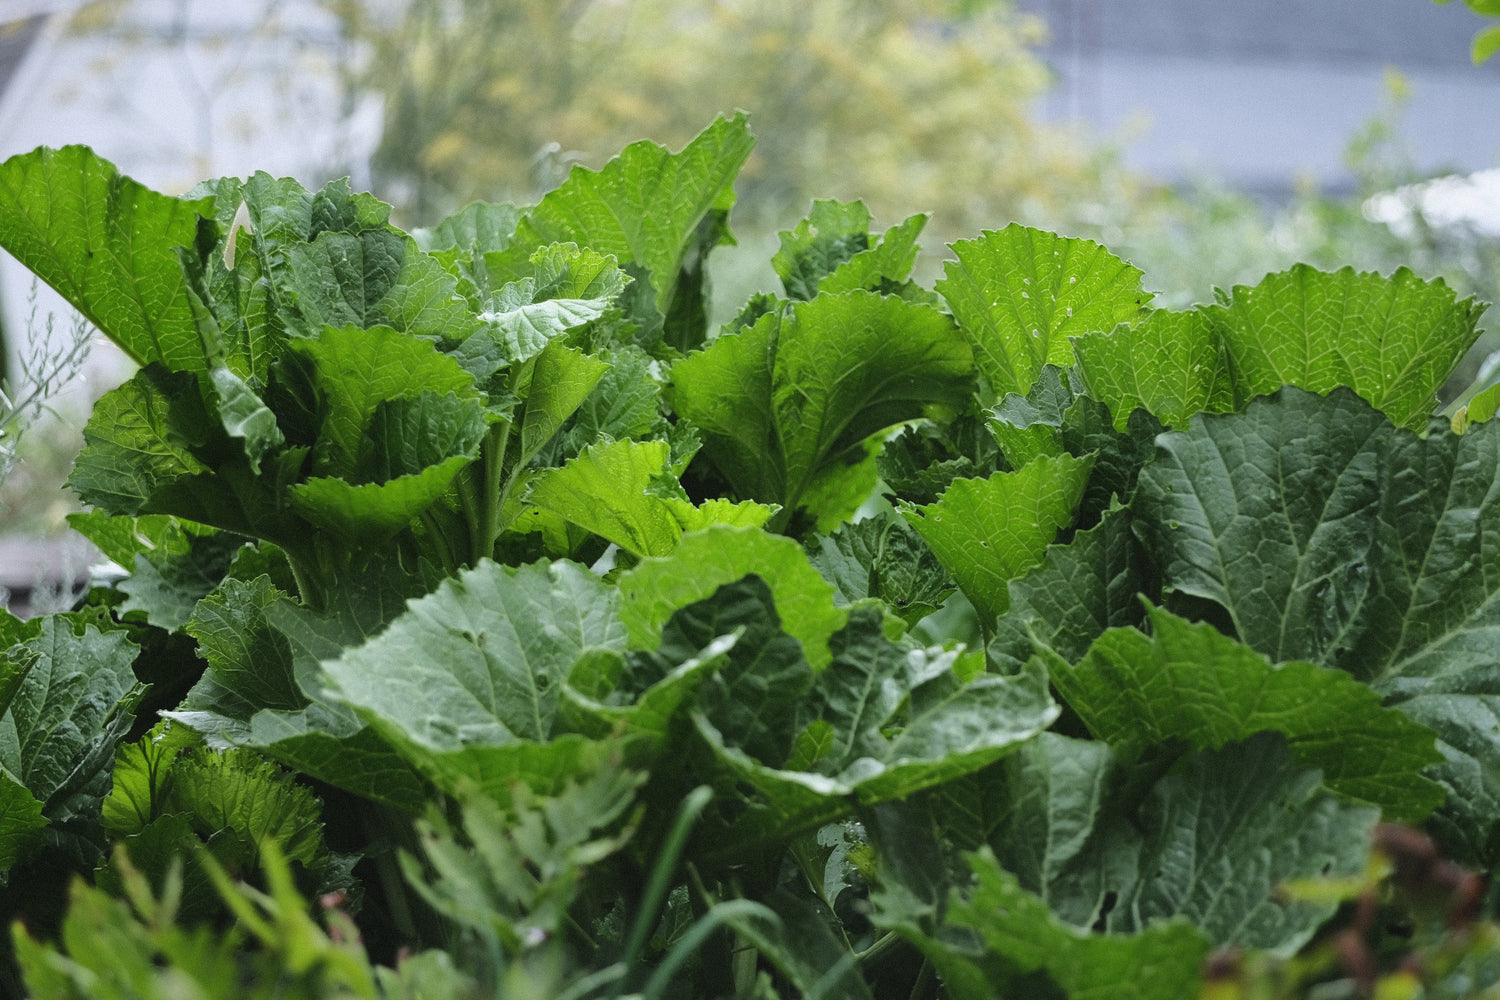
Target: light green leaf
[
  {"x": 246, "y": 657},
  {"x": 107, "y": 245},
  {"x": 1020, "y": 293},
  {"x": 567, "y": 288},
  {"x": 1486, "y": 43},
  {"x": 613, "y": 489},
  {"x": 479, "y": 665},
  {"x": 356, "y": 370},
  {"x": 240, "y": 791},
  {"x": 883, "y": 267},
  {"x": 987, "y": 532},
  {"x": 166, "y": 587},
  {"x": 789, "y": 403},
  {"x": 1394, "y": 340},
  {"x": 706, "y": 560},
  {"x": 374, "y": 277},
  {"x": 21, "y": 823},
  {"x": 1156, "y": 963},
  {"x": 561, "y": 379},
  {"x": 473, "y": 230},
  {"x": 832, "y": 233},
  {"x": 646, "y": 204},
  {"x": 139, "y": 440},
  {"x": 1192, "y": 683},
  {"x": 1171, "y": 364}
]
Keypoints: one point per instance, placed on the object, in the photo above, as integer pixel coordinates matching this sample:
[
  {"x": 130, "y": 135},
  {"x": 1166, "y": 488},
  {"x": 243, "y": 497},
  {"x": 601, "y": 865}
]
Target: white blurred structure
[{"x": 1458, "y": 201}]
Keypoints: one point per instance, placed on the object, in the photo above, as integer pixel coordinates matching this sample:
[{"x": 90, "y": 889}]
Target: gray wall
[{"x": 1259, "y": 92}]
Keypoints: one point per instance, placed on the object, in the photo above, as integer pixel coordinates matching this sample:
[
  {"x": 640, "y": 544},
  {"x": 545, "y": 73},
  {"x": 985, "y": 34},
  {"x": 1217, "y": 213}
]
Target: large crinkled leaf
[
  {"x": 1272, "y": 513},
  {"x": 883, "y": 557},
  {"x": 473, "y": 230},
  {"x": 1394, "y": 340},
  {"x": 355, "y": 370},
  {"x": 706, "y": 560},
  {"x": 786, "y": 406},
  {"x": 21, "y": 823},
  {"x": 1020, "y": 293},
  {"x": 1077, "y": 592},
  {"x": 472, "y": 672},
  {"x": 623, "y": 491},
  {"x": 884, "y": 267},
  {"x": 1171, "y": 364},
  {"x": 988, "y": 532},
  {"x": 561, "y": 378},
  {"x": 832, "y": 251},
  {"x": 243, "y": 792},
  {"x": 625, "y": 403},
  {"x": 246, "y": 658},
  {"x": 374, "y": 277},
  {"x": 1192, "y": 683},
  {"x": 139, "y": 439},
  {"x": 78, "y": 679},
  {"x": 1228, "y": 826},
  {"x": 107, "y": 244},
  {"x": 646, "y": 204},
  {"x": 1435, "y": 602}
]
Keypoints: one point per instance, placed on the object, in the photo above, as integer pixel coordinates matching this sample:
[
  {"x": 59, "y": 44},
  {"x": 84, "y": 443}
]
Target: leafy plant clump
[{"x": 493, "y": 627}]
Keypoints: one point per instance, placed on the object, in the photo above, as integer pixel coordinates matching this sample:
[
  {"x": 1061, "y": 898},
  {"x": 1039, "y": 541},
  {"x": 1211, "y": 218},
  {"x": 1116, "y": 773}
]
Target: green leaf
[
  {"x": 786, "y": 406},
  {"x": 1272, "y": 513},
  {"x": 1228, "y": 826},
  {"x": 613, "y": 490},
  {"x": 885, "y": 558},
  {"x": 355, "y": 370},
  {"x": 374, "y": 277},
  {"x": 140, "y": 783},
  {"x": 987, "y": 532},
  {"x": 247, "y": 659},
  {"x": 474, "y": 670},
  {"x": 1392, "y": 340},
  {"x": 566, "y": 289},
  {"x": 1041, "y": 811},
  {"x": 1077, "y": 592},
  {"x": 1171, "y": 364},
  {"x": 324, "y": 740},
  {"x": 1158, "y": 963},
  {"x": 1192, "y": 683},
  {"x": 646, "y": 204},
  {"x": 54, "y": 738},
  {"x": 239, "y": 791},
  {"x": 138, "y": 441},
  {"x": 121, "y": 539},
  {"x": 107, "y": 245},
  {"x": 1486, "y": 43},
  {"x": 21, "y": 823},
  {"x": 884, "y": 267},
  {"x": 473, "y": 230},
  {"x": 560, "y": 380},
  {"x": 706, "y": 560},
  {"x": 832, "y": 233},
  {"x": 166, "y": 587},
  {"x": 879, "y": 723},
  {"x": 1019, "y": 294}
]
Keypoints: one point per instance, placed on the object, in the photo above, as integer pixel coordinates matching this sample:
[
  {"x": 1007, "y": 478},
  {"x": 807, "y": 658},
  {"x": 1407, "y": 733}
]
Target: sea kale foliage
[{"x": 486, "y": 608}]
